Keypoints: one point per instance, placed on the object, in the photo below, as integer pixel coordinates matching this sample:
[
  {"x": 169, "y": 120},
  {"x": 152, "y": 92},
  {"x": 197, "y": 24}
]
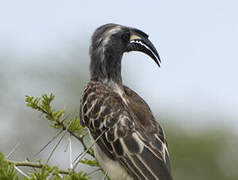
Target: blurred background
[{"x": 44, "y": 48}]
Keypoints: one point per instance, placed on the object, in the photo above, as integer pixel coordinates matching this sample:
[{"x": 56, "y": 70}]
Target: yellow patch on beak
[{"x": 133, "y": 36}]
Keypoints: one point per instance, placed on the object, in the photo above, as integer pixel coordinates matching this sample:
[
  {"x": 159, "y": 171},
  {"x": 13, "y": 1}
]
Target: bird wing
[{"x": 129, "y": 133}]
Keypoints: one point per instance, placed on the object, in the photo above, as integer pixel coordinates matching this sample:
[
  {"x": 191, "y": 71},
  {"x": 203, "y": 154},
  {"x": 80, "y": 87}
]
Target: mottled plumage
[{"x": 132, "y": 144}]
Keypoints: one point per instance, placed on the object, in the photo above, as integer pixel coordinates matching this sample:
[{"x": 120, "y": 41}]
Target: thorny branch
[
  {"x": 66, "y": 125},
  {"x": 34, "y": 165},
  {"x": 37, "y": 104}
]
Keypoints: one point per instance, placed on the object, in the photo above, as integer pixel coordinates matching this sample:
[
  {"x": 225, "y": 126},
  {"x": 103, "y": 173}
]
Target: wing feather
[
  {"x": 138, "y": 144},
  {"x": 135, "y": 172}
]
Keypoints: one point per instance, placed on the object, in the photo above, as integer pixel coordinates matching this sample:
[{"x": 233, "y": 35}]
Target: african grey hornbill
[{"x": 130, "y": 143}]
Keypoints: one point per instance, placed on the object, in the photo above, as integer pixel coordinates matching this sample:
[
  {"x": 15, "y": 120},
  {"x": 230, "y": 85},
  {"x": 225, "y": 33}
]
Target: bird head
[{"x": 109, "y": 42}]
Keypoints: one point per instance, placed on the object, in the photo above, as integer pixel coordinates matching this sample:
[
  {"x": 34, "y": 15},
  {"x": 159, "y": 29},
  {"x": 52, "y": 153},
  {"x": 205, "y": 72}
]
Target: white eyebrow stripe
[
  {"x": 109, "y": 33},
  {"x": 113, "y": 30},
  {"x": 107, "y": 36}
]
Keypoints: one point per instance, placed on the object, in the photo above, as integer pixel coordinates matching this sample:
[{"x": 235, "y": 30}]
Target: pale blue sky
[{"x": 197, "y": 42}]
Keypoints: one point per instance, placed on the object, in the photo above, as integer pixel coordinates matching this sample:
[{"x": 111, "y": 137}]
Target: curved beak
[{"x": 139, "y": 42}]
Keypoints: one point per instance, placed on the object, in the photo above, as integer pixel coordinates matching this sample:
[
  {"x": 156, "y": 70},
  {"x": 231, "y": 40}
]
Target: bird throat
[{"x": 108, "y": 68}]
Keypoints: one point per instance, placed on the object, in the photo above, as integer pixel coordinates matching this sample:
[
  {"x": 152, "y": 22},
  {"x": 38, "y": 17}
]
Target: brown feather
[{"x": 130, "y": 127}]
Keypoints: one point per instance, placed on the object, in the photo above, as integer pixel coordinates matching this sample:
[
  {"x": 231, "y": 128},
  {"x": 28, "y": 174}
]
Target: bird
[{"x": 129, "y": 142}]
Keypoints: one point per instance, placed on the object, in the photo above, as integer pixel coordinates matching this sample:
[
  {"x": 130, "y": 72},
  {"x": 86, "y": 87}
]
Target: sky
[{"x": 197, "y": 42}]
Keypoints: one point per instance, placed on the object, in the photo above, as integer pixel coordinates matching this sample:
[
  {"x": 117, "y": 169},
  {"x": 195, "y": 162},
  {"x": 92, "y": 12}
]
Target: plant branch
[{"x": 34, "y": 165}]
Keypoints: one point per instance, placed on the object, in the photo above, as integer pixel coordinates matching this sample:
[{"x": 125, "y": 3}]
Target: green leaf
[
  {"x": 90, "y": 162},
  {"x": 7, "y": 171},
  {"x": 78, "y": 176}
]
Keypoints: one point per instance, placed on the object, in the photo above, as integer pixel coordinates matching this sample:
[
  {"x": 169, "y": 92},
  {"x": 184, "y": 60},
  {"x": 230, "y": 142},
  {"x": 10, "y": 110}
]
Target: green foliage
[
  {"x": 45, "y": 172},
  {"x": 74, "y": 125},
  {"x": 7, "y": 171},
  {"x": 44, "y": 105},
  {"x": 71, "y": 124},
  {"x": 78, "y": 176},
  {"x": 90, "y": 162},
  {"x": 91, "y": 151}
]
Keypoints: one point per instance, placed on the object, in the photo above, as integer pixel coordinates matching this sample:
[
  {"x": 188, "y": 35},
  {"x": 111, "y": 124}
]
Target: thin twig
[
  {"x": 63, "y": 127},
  {"x": 50, "y": 141},
  {"x": 32, "y": 164},
  {"x": 13, "y": 150},
  {"x": 105, "y": 176},
  {"x": 81, "y": 139},
  {"x": 94, "y": 171},
  {"x": 84, "y": 149},
  {"x": 28, "y": 160},
  {"x": 66, "y": 130},
  {"x": 21, "y": 172},
  {"x": 84, "y": 153},
  {"x": 51, "y": 153},
  {"x": 51, "y": 175},
  {"x": 70, "y": 153}
]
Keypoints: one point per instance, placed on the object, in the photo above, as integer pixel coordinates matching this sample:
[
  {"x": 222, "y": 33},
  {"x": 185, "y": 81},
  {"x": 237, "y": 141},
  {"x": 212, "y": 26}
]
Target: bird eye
[{"x": 125, "y": 36}]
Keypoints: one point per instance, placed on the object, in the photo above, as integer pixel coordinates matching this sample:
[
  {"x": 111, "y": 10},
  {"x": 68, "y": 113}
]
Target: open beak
[{"x": 139, "y": 42}]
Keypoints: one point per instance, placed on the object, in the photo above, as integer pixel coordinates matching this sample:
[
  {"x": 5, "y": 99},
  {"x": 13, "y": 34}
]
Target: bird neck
[{"x": 107, "y": 68}]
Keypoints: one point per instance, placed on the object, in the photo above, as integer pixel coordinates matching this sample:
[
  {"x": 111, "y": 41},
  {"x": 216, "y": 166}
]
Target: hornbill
[{"x": 130, "y": 144}]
